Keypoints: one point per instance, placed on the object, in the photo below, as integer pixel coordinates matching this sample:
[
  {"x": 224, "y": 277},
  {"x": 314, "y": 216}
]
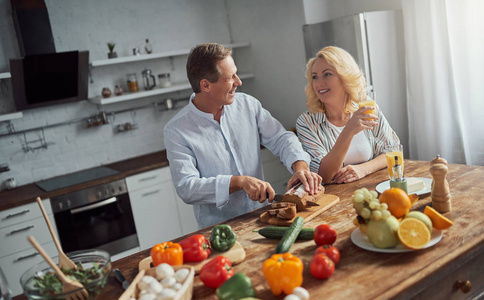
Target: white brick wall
[{"x": 88, "y": 25}]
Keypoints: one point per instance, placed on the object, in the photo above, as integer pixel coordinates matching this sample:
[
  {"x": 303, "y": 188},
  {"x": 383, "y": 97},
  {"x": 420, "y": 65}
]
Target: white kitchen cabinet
[
  {"x": 274, "y": 171},
  {"x": 16, "y": 253},
  {"x": 155, "y": 208},
  {"x": 188, "y": 221}
]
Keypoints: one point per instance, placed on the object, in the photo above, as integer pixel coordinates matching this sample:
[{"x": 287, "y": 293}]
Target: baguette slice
[
  {"x": 285, "y": 213},
  {"x": 281, "y": 204},
  {"x": 288, "y": 213},
  {"x": 299, "y": 196}
]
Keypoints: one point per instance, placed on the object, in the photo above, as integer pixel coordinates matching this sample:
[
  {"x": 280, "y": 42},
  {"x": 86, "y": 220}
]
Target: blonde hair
[{"x": 348, "y": 70}]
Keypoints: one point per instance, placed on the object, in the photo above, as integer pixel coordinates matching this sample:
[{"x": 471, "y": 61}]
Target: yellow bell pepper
[{"x": 283, "y": 272}]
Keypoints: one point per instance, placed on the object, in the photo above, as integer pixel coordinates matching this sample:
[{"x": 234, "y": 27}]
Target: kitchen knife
[{"x": 119, "y": 276}]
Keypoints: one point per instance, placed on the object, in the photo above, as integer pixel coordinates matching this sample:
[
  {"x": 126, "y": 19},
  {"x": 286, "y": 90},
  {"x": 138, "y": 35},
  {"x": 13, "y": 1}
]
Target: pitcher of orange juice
[{"x": 391, "y": 152}]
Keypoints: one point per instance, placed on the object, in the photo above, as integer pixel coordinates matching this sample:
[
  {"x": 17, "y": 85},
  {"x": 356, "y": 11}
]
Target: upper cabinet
[{"x": 174, "y": 87}]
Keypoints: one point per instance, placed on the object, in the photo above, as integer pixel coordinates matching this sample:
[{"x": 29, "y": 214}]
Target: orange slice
[
  {"x": 413, "y": 198},
  {"x": 413, "y": 233},
  {"x": 438, "y": 221}
]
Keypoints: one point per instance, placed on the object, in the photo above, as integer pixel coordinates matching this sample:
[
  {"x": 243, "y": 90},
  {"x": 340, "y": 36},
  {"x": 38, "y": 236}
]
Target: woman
[{"x": 345, "y": 144}]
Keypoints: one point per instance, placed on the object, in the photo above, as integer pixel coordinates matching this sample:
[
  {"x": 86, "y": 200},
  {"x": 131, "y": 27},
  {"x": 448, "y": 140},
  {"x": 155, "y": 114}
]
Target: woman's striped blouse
[{"x": 318, "y": 138}]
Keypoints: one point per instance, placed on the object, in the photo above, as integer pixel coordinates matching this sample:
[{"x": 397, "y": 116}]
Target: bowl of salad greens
[{"x": 92, "y": 270}]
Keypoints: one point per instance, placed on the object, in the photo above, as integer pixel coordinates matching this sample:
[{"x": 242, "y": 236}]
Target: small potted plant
[{"x": 112, "y": 53}]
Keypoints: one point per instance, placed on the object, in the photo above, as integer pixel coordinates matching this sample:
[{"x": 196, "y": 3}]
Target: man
[{"x": 213, "y": 144}]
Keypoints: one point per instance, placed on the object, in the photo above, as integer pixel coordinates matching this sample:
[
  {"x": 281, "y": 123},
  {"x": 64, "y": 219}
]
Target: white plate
[
  {"x": 385, "y": 185},
  {"x": 361, "y": 240}
]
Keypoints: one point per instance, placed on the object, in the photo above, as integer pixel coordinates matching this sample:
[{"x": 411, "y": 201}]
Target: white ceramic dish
[
  {"x": 361, "y": 240},
  {"x": 385, "y": 185}
]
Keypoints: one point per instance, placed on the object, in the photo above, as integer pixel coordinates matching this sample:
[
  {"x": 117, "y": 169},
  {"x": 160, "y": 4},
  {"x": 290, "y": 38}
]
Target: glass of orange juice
[
  {"x": 367, "y": 99},
  {"x": 392, "y": 152}
]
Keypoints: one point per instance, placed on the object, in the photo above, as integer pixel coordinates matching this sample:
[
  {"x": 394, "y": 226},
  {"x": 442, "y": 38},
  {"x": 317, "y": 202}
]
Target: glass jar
[
  {"x": 118, "y": 90},
  {"x": 106, "y": 93},
  {"x": 164, "y": 80},
  {"x": 132, "y": 82}
]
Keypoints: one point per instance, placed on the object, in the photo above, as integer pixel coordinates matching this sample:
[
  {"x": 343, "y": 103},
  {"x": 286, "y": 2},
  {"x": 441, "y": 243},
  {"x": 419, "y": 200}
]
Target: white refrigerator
[{"x": 376, "y": 41}]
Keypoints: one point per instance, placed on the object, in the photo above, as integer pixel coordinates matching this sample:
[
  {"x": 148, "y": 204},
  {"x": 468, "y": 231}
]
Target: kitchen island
[{"x": 432, "y": 273}]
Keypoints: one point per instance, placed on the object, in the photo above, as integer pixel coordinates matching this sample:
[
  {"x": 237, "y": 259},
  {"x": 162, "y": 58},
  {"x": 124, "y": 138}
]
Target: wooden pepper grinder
[{"x": 440, "y": 187}]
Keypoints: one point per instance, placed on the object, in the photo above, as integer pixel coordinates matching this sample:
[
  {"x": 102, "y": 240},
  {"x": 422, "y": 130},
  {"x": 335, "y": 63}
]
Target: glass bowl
[{"x": 95, "y": 260}]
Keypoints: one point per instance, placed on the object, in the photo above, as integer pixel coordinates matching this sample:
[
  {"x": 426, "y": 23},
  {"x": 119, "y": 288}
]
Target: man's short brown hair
[{"x": 202, "y": 63}]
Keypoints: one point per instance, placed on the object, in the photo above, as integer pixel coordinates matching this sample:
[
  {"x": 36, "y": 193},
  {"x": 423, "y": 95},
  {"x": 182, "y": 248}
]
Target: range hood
[{"x": 32, "y": 26}]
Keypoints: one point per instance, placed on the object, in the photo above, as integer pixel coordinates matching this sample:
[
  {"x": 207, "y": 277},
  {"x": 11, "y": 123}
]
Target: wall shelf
[
  {"x": 11, "y": 116},
  {"x": 127, "y": 59},
  {"x": 156, "y": 91},
  {"x": 5, "y": 75}
]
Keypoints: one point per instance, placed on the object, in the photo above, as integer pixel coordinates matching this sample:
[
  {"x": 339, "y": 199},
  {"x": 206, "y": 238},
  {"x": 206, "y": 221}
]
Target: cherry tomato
[
  {"x": 324, "y": 234},
  {"x": 321, "y": 267},
  {"x": 331, "y": 251}
]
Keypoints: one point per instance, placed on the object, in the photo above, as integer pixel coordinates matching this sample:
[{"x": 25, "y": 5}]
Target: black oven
[{"x": 98, "y": 217}]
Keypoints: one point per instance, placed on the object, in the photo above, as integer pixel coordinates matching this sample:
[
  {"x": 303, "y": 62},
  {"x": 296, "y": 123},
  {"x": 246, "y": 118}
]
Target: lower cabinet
[
  {"x": 154, "y": 209},
  {"x": 159, "y": 214},
  {"x": 16, "y": 253},
  {"x": 188, "y": 222}
]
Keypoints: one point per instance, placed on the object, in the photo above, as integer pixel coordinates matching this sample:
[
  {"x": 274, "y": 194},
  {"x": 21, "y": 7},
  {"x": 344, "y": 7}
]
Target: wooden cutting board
[
  {"x": 325, "y": 201},
  {"x": 236, "y": 255}
]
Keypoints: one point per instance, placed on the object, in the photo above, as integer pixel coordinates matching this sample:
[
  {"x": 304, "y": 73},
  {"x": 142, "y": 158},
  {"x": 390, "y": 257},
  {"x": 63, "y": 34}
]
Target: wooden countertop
[
  {"x": 28, "y": 193},
  {"x": 360, "y": 273},
  {"x": 363, "y": 274}
]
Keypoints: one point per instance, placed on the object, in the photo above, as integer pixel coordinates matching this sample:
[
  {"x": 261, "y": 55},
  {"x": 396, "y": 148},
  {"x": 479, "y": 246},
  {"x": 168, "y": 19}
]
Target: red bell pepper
[
  {"x": 216, "y": 271},
  {"x": 195, "y": 248}
]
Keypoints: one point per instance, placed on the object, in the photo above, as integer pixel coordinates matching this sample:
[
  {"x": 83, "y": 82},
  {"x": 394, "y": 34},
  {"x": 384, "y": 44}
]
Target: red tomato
[
  {"x": 331, "y": 251},
  {"x": 321, "y": 267},
  {"x": 324, "y": 234}
]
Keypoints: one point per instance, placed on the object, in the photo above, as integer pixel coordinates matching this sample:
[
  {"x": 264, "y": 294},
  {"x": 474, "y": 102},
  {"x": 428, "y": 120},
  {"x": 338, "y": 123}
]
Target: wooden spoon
[
  {"x": 64, "y": 261},
  {"x": 73, "y": 289}
]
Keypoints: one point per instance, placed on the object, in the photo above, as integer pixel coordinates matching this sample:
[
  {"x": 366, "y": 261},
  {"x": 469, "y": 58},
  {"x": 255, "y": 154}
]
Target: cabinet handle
[
  {"x": 26, "y": 256},
  {"x": 17, "y": 214},
  {"x": 464, "y": 286},
  {"x": 148, "y": 178},
  {"x": 150, "y": 193},
  {"x": 20, "y": 230}
]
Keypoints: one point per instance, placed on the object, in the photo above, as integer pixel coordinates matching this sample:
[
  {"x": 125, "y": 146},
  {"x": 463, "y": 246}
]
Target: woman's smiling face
[{"x": 327, "y": 84}]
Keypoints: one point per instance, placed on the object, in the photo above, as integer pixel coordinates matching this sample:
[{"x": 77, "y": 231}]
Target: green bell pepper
[
  {"x": 236, "y": 287},
  {"x": 222, "y": 237}
]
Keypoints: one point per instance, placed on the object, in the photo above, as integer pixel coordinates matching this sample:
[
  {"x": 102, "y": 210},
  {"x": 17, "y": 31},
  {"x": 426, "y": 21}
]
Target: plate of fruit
[
  {"x": 386, "y": 224},
  {"x": 361, "y": 240}
]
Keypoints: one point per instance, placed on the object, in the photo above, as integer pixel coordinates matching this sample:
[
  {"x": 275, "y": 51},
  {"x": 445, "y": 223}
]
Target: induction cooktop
[{"x": 75, "y": 178}]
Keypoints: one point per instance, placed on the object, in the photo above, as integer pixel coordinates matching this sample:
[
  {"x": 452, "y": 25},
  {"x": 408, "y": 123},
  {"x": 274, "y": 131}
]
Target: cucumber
[
  {"x": 276, "y": 233},
  {"x": 290, "y": 236}
]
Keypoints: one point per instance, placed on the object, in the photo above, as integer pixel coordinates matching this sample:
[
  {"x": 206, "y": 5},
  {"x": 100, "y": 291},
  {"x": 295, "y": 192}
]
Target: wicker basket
[{"x": 184, "y": 293}]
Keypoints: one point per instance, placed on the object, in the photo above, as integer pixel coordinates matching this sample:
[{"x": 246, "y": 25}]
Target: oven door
[{"x": 106, "y": 224}]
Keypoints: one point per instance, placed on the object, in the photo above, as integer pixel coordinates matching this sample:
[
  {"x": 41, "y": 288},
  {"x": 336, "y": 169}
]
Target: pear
[{"x": 382, "y": 233}]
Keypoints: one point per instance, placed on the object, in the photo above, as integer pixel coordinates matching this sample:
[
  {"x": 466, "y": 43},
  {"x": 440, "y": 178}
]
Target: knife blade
[{"x": 119, "y": 276}]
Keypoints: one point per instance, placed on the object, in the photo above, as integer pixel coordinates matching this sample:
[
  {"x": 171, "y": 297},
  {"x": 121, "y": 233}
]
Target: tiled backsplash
[{"x": 75, "y": 147}]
